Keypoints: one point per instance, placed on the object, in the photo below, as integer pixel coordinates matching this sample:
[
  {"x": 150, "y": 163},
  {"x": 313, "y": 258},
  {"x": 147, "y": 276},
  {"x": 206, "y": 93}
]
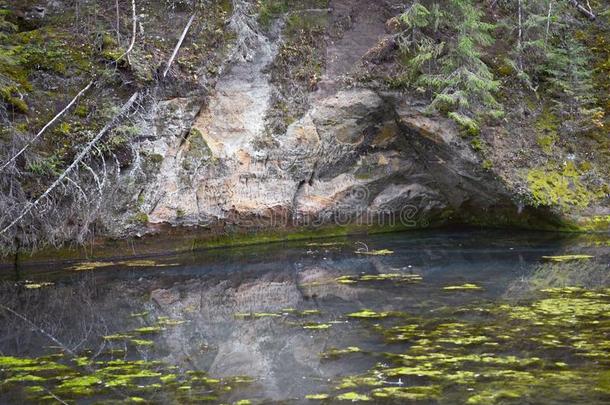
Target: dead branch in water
[
  {"x": 39, "y": 329},
  {"x": 178, "y": 45},
  {"x": 74, "y": 164},
  {"x": 55, "y": 118}
]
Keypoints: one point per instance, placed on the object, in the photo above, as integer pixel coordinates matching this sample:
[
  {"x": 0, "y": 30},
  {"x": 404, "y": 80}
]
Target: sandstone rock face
[
  {"x": 357, "y": 156},
  {"x": 354, "y": 156}
]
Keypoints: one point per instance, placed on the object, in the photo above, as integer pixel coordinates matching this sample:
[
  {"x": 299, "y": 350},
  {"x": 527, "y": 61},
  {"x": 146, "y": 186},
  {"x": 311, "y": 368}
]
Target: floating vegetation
[
  {"x": 334, "y": 353},
  {"x": 308, "y": 312},
  {"x": 145, "y": 330},
  {"x": 359, "y": 381},
  {"x": 317, "y": 397},
  {"x": 91, "y": 265},
  {"x": 117, "y": 336},
  {"x": 483, "y": 354},
  {"x": 325, "y": 244},
  {"x": 318, "y": 326},
  {"x": 463, "y": 287},
  {"x": 256, "y": 315},
  {"x": 139, "y": 314},
  {"x": 141, "y": 263},
  {"x": 396, "y": 277},
  {"x": 166, "y": 321},
  {"x": 281, "y": 313},
  {"x": 84, "y": 266},
  {"x": 353, "y": 396},
  {"x": 381, "y": 252},
  {"x": 566, "y": 258},
  {"x": 31, "y": 285},
  {"x": 415, "y": 393},
  {"x": 142, "y": 342},
  {"x": 368, "y": 314}
]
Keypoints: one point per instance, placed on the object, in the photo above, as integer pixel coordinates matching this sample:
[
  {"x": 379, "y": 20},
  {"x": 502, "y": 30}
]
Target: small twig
[
  {"x": 363, "y": 248},
  {"x": 58, "y": 399}
]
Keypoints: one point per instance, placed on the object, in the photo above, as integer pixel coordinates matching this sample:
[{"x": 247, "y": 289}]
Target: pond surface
[{"x": 477, "y": 317}]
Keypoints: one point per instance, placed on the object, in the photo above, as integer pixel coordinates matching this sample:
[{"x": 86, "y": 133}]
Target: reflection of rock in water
[
  {"x": 268, "y": 348},
  {"x": 588, "y": 274}
]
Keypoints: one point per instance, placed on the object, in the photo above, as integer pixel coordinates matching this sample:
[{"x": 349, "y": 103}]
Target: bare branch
[
  {"x": 178, "y": 45},
  {"x": 75, "y": 184},
  {"x": 59, "y": 114},
  {"x": 118, "y": 22},
  {"x": 74, "y": 164},
  {"x": 39, "y": 329},
  {"x": 133, "y": 31}
]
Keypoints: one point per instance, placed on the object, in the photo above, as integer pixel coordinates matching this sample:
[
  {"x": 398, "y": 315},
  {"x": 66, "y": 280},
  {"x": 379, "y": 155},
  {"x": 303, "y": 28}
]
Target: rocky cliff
[{"x": 277, "y": 117}]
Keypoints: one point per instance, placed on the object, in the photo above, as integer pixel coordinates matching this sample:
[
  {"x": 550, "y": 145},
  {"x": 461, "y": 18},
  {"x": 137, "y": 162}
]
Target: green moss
[
  {"x": 269, "y": 10},
  {"x": 10, "y": 96},
  {"x": 64, "y": 129},
  {"x": 47, "y": 166},
  {"x": 599, "y": 223},
  {"x": 140, "y": 218},
  {"x": 487, "y": 164},
  {"x": 546, "y": 142},
  {"x": 547, "y": 123},
  {"x": 476, "y": 144},
  {"x": 563, "y": 188}
]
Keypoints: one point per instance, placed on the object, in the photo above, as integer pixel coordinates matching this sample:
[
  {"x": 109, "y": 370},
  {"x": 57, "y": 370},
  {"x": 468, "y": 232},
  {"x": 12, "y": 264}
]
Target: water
[{"x": 428, "y": 317}]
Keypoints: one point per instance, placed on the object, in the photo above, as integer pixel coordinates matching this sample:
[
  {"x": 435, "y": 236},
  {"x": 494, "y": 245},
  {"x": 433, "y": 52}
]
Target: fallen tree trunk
[
  {"x": 74, "y": 163},
  {"x": 583, "y": 10}
]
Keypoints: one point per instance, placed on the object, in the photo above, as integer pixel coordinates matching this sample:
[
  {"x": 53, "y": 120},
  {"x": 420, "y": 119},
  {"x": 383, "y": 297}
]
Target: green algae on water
[
  {"x": 368, "y": 314},
  {"x": 381, "y": 252},
  {"x": 334, "y": 353},
  {"x": 353, "y": 397},
  {"x": 317, "y": 397},
  {"x": 463, "y": 287},
  {"x": 317, "y": 326},
  {"x": 566, "y": 258}
]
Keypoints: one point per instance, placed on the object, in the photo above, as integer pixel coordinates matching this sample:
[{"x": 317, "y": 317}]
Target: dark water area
[{"x": 478, "y": 317}]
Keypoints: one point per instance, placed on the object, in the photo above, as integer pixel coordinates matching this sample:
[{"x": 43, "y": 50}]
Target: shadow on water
[{"x": 432, "y": 317}]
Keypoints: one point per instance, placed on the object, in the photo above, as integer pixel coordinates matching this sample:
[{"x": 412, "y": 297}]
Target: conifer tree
[
  {"x": 443, "y": 43},
  {"x": 571, "y": 84}
]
